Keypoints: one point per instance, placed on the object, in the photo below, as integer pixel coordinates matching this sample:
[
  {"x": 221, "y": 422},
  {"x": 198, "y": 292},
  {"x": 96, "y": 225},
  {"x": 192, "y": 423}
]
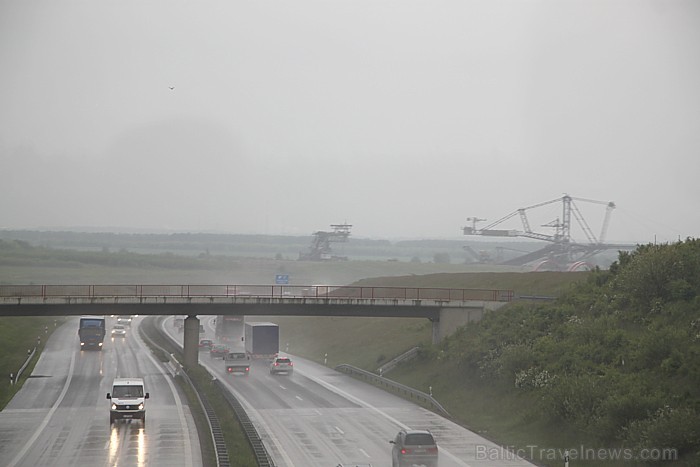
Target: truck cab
[
  {"x": 91, "y": 332},
  {"x": 127, "y": 400}
]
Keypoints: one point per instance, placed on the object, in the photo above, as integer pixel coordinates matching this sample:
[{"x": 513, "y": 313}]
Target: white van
[{"x": 128, "y": 399}]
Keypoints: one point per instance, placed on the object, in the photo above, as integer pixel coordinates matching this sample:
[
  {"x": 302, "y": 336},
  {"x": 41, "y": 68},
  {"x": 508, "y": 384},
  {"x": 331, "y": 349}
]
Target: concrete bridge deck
[
  {"x": 446, "y": 308},
  {"x": 67, "y": 300}
]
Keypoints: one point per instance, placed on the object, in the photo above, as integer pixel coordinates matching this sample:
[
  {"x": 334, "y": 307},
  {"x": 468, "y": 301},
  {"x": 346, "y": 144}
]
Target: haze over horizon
[{"x": 402, "y": 118}]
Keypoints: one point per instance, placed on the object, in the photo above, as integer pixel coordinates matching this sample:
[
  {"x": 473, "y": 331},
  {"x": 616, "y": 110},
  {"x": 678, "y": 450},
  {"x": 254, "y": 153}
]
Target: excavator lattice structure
[
  {"x": 563, "y": 252},
  {"x": 320, "y": 249}
]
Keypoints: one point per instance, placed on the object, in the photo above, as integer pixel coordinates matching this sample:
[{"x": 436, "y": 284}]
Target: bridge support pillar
[
  {"x": 453, "y": 318},
  {"x": 191, "y": 341}
]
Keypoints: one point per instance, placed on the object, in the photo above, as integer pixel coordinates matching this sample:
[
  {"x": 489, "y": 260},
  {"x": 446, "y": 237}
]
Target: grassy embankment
[
  {"x": 18, "y": 335},
  {"x": 370, "y": 342}
]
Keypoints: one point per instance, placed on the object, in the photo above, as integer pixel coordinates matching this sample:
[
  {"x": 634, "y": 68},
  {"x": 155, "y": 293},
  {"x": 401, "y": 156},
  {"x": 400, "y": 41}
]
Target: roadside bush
[{"x": 667, "y": 427}]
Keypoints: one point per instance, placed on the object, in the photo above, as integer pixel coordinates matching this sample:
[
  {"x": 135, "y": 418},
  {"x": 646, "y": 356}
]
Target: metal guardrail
[
  {"x": 222, "y": 458},
  {"x": 262, "y": 457},
  {"x": 253, "y": 291},
  {"x": 401, "y": 389},
  {"x": 24, "y": 366},
  {"x": 391, "y": 364},
  {"x": 261, "y": 454}
]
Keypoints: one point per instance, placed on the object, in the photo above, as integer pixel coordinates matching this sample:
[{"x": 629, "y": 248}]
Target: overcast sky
[{"x": 402, "y": 118}]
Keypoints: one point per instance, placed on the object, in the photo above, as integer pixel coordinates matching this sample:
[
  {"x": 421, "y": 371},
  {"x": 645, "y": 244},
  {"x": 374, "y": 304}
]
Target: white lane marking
[
  {"x": 48, "y": 416},
  {"x": 178, "y": 403},
  {"x": 267, "y": 435},
  {"x": 339, "y": 430},
  {"x": 283, "y": 387},
  {"x": 299, "y": 398},
  {"x": 318, "y": 411},
  {"x": 358, "y": 401},
  {"x": 364, "y": 452}
]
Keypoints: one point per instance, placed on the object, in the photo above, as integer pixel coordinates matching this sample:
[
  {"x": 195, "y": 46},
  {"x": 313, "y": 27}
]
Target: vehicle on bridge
[
  {"x": 237, "y": 362},
  {"x": 262, "y": 340},
  {"x": 127, "y": 399},
  {"x": 92, "y": 332}
]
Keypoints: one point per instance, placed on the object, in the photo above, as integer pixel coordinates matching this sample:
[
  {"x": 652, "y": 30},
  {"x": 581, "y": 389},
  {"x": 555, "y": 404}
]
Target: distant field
[{"x": 234, "y": 271}]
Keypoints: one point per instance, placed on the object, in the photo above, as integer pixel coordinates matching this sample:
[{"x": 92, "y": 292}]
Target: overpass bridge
[{"x": 446, "y": 308}]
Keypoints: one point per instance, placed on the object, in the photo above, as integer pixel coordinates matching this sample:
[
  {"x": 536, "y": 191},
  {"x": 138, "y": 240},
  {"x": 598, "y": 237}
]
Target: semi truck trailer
[{"x": 262, "y": 339}]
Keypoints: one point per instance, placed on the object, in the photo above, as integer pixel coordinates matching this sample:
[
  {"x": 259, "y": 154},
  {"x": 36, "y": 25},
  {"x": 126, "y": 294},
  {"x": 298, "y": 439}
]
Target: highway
[
  {"x": 61, "y": 415},
  {"x": 319, "y": 417},
  {"x": 316, "y": 417}
]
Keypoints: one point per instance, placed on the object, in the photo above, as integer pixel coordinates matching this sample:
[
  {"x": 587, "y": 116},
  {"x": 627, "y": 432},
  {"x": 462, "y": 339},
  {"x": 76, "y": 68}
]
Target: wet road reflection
[{"x": 128, "y": 444}]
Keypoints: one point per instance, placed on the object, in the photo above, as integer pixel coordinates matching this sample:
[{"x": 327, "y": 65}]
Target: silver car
[
  {"x": 414, "y": 447},
  {"x": 118, "y": 330},
  {"x": 281, "y": 365}
]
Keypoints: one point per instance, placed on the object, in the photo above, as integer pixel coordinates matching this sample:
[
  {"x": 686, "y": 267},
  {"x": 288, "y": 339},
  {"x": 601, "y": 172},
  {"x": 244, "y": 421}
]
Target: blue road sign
[{"x": 282, "y": 279}]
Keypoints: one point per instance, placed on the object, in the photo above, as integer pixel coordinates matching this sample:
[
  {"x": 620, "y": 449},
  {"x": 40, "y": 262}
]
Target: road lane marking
[
  {"x": 339, "y": 430},
  {"x": 189, "y": 461},
  {"x": 283, "y": 387},
  {"x": 299, "y": 398},
  {"x": 45, "y": 422},
  {"x": 264, "y": 430},
  {"x": 364, "y": 452},
  {"x": 359, "y": 401}
]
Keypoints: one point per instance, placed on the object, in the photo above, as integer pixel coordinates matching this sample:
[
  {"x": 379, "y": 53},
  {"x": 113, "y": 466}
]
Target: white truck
[
  {"x": 237, "y": 361},
  {"x": 127, "y": 400}
]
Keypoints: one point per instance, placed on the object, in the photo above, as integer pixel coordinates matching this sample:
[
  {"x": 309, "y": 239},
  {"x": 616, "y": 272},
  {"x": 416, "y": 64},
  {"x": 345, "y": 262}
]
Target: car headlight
[
  {"x": 114, "y": 406},
  {"x": 141, "y": 406}
]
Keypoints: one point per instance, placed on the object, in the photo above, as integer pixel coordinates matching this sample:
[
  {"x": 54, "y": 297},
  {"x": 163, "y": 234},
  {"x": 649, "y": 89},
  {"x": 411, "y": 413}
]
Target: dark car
[
  {"x": 205, "y": 344},
  {"x": 414, "y": 447},
  {"x": 218, "y": 350}
]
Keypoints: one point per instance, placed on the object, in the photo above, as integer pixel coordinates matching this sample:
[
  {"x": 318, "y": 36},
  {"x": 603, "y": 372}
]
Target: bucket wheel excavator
[
  {"x": 320, "y": 249},
  {"x": 563, "y": 253}
]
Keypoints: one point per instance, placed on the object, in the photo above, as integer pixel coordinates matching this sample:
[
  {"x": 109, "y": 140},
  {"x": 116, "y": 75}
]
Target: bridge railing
[{"x": 270, "y": 291}]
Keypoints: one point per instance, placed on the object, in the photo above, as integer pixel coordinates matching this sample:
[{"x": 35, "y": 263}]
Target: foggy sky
[{"x": 401, "y": 117}]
